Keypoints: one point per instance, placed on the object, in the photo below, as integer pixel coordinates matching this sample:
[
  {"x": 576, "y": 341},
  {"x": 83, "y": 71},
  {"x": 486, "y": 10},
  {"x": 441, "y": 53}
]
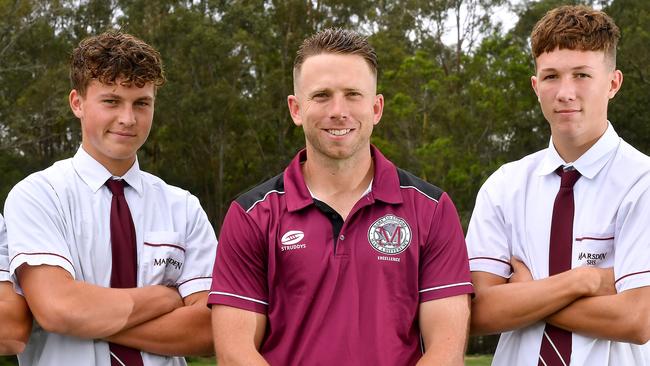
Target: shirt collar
[
  {"x": 591, "y": 162},
  {"x": 94, "y": 174},
  {"x": 385, "y": 182}
]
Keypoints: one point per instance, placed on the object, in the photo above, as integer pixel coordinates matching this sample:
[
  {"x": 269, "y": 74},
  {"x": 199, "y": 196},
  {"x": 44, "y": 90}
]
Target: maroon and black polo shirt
[{"x": 334, "y": 291}]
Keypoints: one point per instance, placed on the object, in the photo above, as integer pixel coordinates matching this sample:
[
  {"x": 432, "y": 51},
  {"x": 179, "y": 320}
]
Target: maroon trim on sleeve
[
  {"x": 165, "y": 245},
  {"x": 193, "y": 279},
  {"x": 44, "y": 253},
  {"x": 492, "y": 259},
  {"x": 631, "y": 274},
  {"x": 236, "y": 302}
]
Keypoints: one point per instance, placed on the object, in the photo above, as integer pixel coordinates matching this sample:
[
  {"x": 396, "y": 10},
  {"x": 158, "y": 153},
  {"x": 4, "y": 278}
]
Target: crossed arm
[
  {"x": 16, "y": 320},
  {"x": 623, "y": 317},
  {"x": 582, "y": 300},
  {"x": 153, "y": 318}
]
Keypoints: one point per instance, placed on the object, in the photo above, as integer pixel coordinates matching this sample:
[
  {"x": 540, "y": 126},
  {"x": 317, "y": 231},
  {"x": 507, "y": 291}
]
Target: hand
[
  {"x": 170, "y": 297},
  {"x": 520, "y": 273},
  {"x": 598, "y": 281}
]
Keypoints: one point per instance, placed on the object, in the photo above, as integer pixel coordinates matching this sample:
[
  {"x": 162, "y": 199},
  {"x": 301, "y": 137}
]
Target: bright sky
[{"x": 501, "y": 14}]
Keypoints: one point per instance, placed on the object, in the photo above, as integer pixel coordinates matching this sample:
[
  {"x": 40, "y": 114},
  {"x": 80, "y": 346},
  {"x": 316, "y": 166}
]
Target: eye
[
  {"x": 549, "y": 77},
  {"x": 109, "y": 101},
  {"x": 142, "y": 104},
  {"x": 353, "y": 94},
  {"x": 320, "y": 96},
  {"x": 582, "y": 75}
]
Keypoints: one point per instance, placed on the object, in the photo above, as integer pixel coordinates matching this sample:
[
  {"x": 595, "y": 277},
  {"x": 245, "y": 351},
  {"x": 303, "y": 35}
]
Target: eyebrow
[
  {"x": 581, "y": 67},
  {"x": 116, "y": 96}
]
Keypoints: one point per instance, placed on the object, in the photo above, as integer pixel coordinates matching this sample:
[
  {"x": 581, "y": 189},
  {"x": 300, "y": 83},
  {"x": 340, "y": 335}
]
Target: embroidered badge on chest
[{"x": 389, "y": 235}]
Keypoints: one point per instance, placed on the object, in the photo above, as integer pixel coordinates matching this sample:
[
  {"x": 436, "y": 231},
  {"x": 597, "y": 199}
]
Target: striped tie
[{"x": 556, "y": 342}]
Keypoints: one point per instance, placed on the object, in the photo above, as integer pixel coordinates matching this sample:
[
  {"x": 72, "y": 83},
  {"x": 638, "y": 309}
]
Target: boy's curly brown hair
[{"x": 115, "y": 55}]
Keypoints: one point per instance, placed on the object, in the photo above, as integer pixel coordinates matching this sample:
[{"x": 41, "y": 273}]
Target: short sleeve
[
  {"x": 4, "y": 253},
  {"x": 444, "y": 269},
  {"x": 239, "y": 277},
  {"x": 488, "y": 242},
  {"x": 632, "y": 239},
  {"x": 200, "y": 250},
  {"x": 36, "y": 227}
]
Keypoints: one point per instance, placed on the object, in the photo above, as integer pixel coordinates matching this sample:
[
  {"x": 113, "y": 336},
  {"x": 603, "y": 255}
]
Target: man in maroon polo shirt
[{"x": 343, "y": 259}]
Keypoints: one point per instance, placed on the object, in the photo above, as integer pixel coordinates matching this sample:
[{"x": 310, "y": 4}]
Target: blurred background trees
[{"x": 457, "y": 85}]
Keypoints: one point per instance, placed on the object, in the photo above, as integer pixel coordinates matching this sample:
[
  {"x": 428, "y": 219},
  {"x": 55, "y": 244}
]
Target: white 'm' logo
[{"x": 292, "y": 237}]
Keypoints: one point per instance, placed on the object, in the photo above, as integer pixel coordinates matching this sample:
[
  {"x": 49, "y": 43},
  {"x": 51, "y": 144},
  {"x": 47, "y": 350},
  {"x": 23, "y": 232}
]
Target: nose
[
  {"x": 567, "y": 90},
  {"x": 338, "y": 108},
  {"x": 127, "y": 116}
]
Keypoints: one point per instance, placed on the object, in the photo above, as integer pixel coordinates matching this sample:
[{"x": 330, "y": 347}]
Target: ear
[
  {"x": 615, "y": 82},
  {"x": 76, "y": 103},
  {"x": 533, "y": 83},
  {"x": 378, "y": 108},
  {"x": 294, "y": 109}
]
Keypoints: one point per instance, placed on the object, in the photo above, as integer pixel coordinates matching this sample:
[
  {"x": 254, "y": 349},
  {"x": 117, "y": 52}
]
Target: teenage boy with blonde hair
[
  {"x": 114, "y": 263},
  {"x": 558, "y": 240}
]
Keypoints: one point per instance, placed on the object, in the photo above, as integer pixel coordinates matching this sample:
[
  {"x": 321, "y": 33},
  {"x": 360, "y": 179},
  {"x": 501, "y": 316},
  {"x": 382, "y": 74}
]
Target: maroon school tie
[
  {"x": 123, "y": 274},
  {"x": 556, "y": 342}
]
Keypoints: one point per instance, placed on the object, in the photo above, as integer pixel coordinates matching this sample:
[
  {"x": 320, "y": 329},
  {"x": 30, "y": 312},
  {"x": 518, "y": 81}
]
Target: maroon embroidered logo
[{"x": 389, "y": 235}]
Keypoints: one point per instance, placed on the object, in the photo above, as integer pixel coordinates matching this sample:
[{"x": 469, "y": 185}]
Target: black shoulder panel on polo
[
  {"x": 409, "y": 180},
  {"x": 248, "y": 199}
]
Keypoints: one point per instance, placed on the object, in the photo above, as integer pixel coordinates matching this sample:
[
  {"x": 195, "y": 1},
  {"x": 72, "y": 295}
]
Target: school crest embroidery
[{"x": 389, "y": 235}]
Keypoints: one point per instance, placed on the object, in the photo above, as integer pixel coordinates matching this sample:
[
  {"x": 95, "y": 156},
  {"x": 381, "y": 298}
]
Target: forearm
[
  {"x": 444, "y": 324},
  {"x": 63, "y": 305},
  {"x": 101, "y": 312},
  {"x": 443, "y": 358},
  {"x": 238, "y": 336},
  {"x": 186, "y": 331},
  {"x": 508, "y": 306},
  {"x": 622, "y": 317},
  {"x": 16, "y": 326},
  {"x": 16, "y": 321}
]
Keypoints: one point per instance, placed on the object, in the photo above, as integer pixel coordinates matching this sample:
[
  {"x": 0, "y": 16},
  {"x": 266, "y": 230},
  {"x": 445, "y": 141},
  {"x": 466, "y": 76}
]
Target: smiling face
[
  {"x": 115, "y": 122},
  {"x": 337, "y": 105},
  {"x": 574, "y": 88}
]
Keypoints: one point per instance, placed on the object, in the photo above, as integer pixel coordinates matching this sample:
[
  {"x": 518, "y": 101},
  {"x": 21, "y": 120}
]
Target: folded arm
[
  {"x": 501, "y": 306},
  {"x": 444, "y": 326},
  {"x": 63, "y": 305},
  {"x": 16, "y": 320},
  {"x": 623, "y": 317},
  {"x": 186, "y": 331},
  {"x": 238, "y": 335}
]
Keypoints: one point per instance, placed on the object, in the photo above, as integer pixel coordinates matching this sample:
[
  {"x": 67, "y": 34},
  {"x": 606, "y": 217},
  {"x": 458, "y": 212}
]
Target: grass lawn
[
  {"x": 474, "y": 360},
  {"x": 478, "y": 360}
]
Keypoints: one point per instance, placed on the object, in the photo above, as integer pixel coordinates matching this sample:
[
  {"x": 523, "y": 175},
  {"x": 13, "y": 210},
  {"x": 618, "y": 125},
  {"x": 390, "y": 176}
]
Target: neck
[
  {"x": 117, "y": 167},
  {"x": 339, "y": 183},
  {"x": 571, "y": 148}
]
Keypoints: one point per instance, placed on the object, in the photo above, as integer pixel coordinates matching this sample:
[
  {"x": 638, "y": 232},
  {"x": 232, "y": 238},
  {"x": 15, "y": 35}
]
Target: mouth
[
  {"x": 122, "y": 134},
  {"x": 341, "y": 132},
  {"x": 567, "y": 111}
]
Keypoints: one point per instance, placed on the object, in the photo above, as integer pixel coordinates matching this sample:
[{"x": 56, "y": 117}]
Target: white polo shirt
[
  {"x": 61, "y": 216},
  {"x": 4, "y": 256},
  {"x": 512, "y": 217}
]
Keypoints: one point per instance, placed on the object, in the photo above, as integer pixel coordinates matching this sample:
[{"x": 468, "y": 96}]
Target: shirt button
[{"x": 342, "y": 237}]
